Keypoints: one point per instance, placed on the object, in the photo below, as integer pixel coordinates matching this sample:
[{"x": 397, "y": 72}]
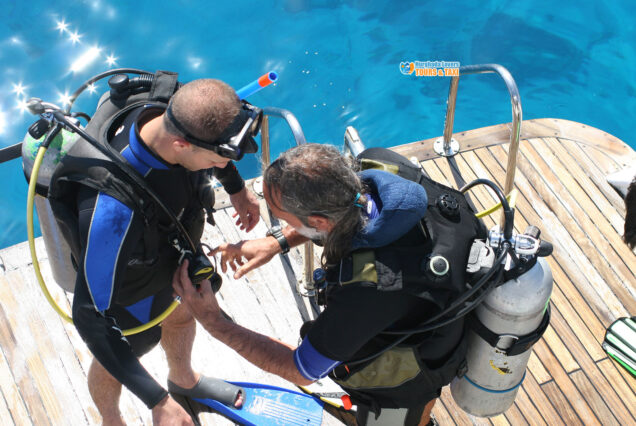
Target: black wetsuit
[
  {"x": 124, "y": 274},
  {"x": 385, "y": 292}
]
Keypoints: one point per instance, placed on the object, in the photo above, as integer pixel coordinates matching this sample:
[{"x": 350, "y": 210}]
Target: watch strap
[{"x": 277, "y": 233}]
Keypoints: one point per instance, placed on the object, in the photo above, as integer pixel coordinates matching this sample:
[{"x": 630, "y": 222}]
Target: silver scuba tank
[
  {"x": 511, "y": 319},
  {"x": 58, "y": 250}
]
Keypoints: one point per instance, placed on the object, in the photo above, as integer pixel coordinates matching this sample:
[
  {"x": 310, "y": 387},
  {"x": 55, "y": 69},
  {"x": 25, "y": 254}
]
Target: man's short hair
[{"x": 204, "y": 107}]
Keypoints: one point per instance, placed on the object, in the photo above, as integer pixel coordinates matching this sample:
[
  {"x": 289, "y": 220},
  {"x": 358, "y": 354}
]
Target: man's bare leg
[
  {"x": 177, "y": 338},
  {"x": 105, "y": 391}
]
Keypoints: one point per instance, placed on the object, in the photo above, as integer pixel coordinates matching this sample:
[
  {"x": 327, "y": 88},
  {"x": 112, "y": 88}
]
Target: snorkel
[{"x": 257, "y": 85}]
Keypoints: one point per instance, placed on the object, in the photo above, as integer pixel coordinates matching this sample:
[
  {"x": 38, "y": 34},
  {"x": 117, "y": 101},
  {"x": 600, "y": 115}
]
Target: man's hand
[
  {"x": 257, "y": 252},
  {"x": 247, "y": 209},
  {"x": 199, "y": 301},
  {"x": 169, "y": 413}
]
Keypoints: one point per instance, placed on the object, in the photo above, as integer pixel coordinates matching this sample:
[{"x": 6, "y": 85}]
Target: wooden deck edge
[{"x": 536, "y": 128}]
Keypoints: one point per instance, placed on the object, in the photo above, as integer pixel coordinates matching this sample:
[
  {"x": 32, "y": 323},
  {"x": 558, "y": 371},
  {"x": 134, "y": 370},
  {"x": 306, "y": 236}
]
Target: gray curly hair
[{"x": 315, "y": 179}]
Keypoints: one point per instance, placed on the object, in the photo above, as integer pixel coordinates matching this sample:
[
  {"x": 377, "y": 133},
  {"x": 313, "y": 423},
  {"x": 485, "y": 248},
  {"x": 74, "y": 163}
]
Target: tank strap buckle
[
  {"x": 511, "y": 344},
  {"x": 506, "y": 341}
]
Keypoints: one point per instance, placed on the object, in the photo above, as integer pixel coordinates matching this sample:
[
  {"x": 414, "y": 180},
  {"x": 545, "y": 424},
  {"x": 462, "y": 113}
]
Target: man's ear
[
  {"x": 180, "y": 144},
  {"x": 320, "y": 223}
]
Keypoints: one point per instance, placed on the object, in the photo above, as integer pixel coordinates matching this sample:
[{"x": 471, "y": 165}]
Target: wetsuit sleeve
[
  {"x": 229, "y": 177},
  {"x": 109, "y": 231},
  {"x": 312, "y": 364}
]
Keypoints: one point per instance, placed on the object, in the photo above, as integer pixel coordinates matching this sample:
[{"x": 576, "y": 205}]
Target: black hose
[
  {"x": 427, "y": 326},
  {"x": 464, "y": 297},
  {"x": 11, "y": 152},
  {"x": 99, "y": 77},
  {"x": 508, "y": 212}
]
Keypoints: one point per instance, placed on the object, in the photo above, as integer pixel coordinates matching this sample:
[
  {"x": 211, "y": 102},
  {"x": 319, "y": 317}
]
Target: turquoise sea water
[{"x": 338, "y": 63}]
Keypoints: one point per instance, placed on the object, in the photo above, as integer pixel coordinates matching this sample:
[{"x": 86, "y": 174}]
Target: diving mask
[{"x": 238, "y": 137}]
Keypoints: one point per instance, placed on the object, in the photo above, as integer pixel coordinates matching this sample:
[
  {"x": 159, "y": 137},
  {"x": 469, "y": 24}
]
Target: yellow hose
[
  {"x": 512, "y": 200},
  {"x": 30, "y": 233},
  {"x": 36, "y": 264},
  {"x": 325, "y": 400}
]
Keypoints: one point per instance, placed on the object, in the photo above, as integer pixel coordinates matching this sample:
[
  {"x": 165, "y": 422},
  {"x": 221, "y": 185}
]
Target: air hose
[
  {"x": 512, "y": 200},
  {"x": 31, "y": 237}
]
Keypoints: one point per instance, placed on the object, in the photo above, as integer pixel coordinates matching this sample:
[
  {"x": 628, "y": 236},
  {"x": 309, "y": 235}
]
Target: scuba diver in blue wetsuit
[
  {"x": 125, "y": 251},
  {"x": 385, "y": 267}
]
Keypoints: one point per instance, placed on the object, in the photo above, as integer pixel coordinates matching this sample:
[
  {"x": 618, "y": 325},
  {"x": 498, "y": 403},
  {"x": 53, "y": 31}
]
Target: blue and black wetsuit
[{"x": 125, "y": 268}]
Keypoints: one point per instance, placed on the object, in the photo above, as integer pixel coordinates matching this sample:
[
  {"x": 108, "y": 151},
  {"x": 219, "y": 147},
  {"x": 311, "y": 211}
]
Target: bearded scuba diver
[{"x": 405, "y": 260}]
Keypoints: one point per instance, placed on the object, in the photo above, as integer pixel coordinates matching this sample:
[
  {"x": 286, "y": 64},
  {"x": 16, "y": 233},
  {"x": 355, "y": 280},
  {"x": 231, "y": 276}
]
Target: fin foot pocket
[{"x": 210, "y": 388}]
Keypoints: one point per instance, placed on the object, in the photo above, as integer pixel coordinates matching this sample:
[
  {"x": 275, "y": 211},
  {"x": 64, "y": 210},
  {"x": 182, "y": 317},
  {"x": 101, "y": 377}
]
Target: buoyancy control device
[
  {"x": 57, "y": 131},
  {"x": 506, "y": 297}
]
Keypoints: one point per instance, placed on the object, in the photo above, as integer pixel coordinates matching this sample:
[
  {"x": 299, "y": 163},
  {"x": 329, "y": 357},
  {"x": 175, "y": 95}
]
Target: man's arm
[
  {"x": 257, "y": 252},
  {"x": 243, "y": 201},
  {"x": 265, "y": 352}
]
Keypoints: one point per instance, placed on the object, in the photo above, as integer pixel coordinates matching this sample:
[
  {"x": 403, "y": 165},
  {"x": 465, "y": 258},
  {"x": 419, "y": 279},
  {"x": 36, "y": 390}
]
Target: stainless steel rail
[
  {"x": 447, "y": 146},
  {"x": 299, "y": 137}
]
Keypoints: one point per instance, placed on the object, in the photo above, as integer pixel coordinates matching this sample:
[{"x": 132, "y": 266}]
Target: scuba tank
[
  {"x": 124, "y": 94},
  {"x": 504, "y": 327},
  {"x": 58, "y": 249}
]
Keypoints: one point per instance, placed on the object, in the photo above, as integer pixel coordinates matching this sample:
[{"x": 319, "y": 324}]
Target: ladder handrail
[
  {"x": 515, "y": 101},
  {"x": 299, "y": 137}
]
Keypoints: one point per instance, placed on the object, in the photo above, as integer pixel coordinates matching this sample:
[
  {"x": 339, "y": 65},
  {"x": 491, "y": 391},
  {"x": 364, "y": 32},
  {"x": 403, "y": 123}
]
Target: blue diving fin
[{"x": 265, "y": 405}]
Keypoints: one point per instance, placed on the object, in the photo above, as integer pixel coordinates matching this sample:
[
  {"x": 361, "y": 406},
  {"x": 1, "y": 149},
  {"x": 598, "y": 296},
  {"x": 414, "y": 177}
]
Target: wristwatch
[{"x": 277, "y": 232}]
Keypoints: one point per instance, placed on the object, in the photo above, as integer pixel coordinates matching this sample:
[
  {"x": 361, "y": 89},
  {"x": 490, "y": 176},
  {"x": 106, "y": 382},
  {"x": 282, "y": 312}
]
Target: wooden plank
[
  {"x": 458, "y": 415},
  {"x": 567, "y": 238},
  {"x": 583, "y": 179},
  {"x": 53, "y": 344},
  {"x": 21, "y": 374},
  {"x": 441, "y": 414},
  {"x": 594, "y": 245},
  {"x": 616, "y": 251},
  {"x": 594, "y": 170},
  {"x": 499, "y": 134},
  {"x": 593, "y": 398},
  {"x": 589, "y": 135},
  {"x": 528, "y": 409},
  {"x": 514, "y": 416},
  {"x": 563, "y": 406},
  {"x": 625, "y": 386},
  {"x": 5, "y": 415},
  {"x": 614, "y": 400},
  {"x": 597, "y": 154},
  {"x": 564, "y": 383},
  {"x": 541, "y": 401},
  {"x": 11, "y": 395},
  {"x": 503, "y": 420},
  {"x": 37, "y": 347},
  {"x": 560, "y": 351},
  {"x": 579, "y": 317},
  {"x": 538, "y": 370}
]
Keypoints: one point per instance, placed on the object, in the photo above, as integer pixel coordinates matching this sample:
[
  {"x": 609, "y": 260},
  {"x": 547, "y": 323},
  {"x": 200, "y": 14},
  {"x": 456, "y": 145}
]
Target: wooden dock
[{"x": 561, "y": 173}]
